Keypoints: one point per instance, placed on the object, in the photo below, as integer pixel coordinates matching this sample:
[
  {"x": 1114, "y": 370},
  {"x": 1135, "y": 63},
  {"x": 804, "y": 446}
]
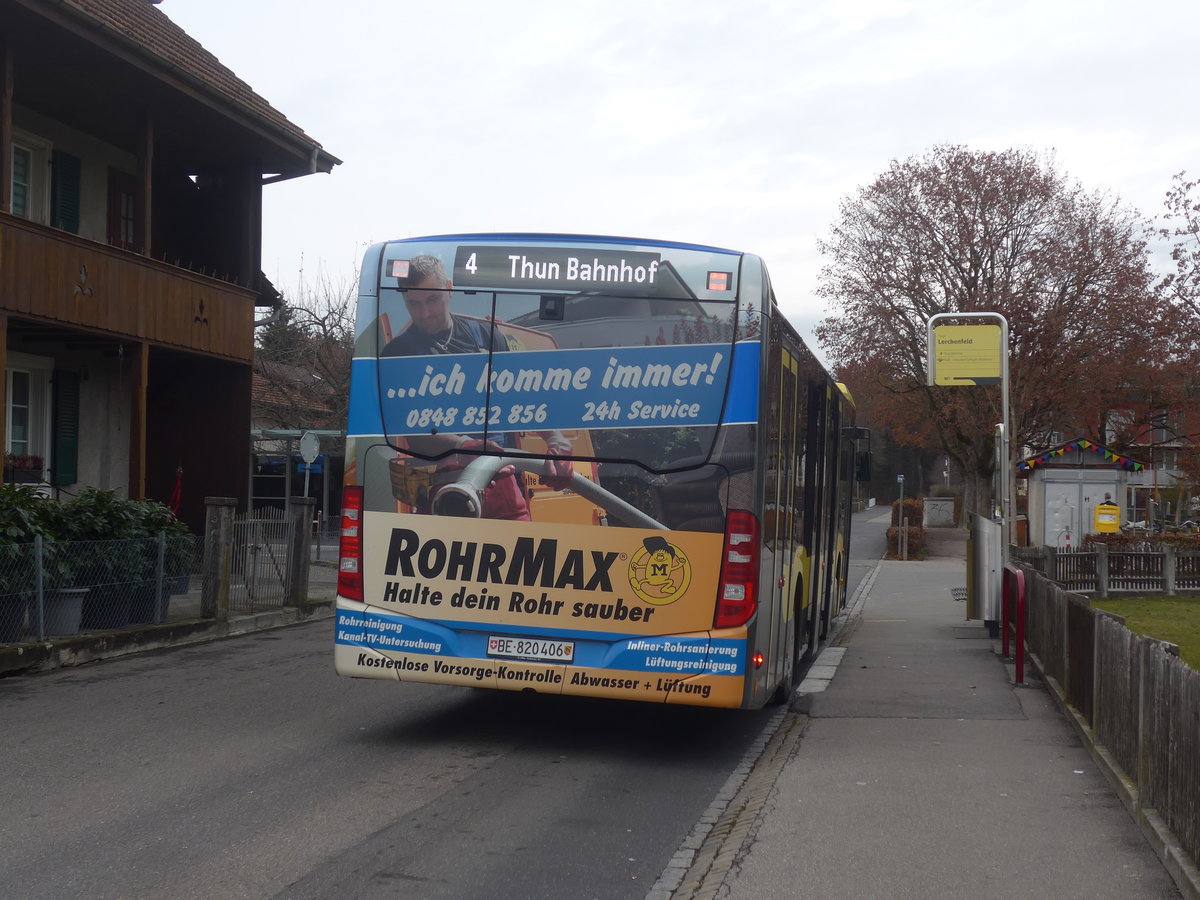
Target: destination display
[{"x": 555, "y": 268}]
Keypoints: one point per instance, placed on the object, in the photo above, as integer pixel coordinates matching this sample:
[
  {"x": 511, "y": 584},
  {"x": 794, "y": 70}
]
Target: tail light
[
  {"x": 350, "y": 583},
  {"x": 738, "y": 595}
]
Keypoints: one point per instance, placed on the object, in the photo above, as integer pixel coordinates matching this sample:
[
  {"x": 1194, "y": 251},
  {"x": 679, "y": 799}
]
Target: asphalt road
[
  {"x": 246, "y": 768},
  {"x": 868, "y": 540}
]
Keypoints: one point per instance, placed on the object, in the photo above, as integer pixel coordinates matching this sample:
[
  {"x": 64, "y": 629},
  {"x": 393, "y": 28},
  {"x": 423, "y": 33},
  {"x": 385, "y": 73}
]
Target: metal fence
[
  {"x": 255, "y": 562},
  {"x": 1102, "y": 570},
  {"x": 262, "y": 542},
  {"x": 1140, "y": 700},
  {"x": 59, "y": 588}
]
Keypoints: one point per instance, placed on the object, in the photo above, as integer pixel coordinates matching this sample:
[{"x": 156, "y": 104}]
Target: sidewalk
[{"x": 923, "y": 772}]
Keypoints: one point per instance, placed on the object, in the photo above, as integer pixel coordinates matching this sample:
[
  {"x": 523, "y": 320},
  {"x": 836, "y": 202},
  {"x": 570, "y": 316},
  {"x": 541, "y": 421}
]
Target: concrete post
[
  {"x": 301, "y": 510},
  {"x": 218, "y": 557},
  {"x": 1169, "y": 569},
  {"x": 1101, "y": 569}
]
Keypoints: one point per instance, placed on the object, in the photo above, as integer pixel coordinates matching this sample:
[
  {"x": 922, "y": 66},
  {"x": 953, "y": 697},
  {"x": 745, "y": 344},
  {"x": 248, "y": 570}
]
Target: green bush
[
  {"x": 23, "y": 516},
  {"x": 93, "y": 515}
]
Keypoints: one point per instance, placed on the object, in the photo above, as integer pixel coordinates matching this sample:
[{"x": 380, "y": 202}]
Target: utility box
[
  {"x": 938, "y": 512},
  {"x": 1067, "y": 488}
]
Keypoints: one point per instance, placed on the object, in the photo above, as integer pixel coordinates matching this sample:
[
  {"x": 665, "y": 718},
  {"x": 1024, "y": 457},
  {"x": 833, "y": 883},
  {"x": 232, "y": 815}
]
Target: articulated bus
[{"x": 589, "y": 466}]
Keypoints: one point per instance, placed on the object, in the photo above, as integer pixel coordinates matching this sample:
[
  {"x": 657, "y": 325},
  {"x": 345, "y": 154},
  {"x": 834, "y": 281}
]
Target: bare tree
[
  {"x": 956, "y": 230},
  {"x": 302, "y": 358},
  {"x": 1183, "y": 230}
]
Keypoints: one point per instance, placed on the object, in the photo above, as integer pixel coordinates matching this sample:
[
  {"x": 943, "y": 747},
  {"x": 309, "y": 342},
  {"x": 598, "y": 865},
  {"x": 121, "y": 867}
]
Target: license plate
[{"x": 530, "y": 648}]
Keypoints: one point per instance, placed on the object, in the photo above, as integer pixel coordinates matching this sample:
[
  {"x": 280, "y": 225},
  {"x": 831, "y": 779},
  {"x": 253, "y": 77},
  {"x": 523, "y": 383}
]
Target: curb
[
  {"x": 45, "y": 656},
  {"x": 705, "y": 859}
]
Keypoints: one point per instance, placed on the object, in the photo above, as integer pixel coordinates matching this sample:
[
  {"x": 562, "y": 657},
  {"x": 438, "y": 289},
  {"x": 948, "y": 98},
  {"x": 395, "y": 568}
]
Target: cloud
[{"x": 741, "y": 125}]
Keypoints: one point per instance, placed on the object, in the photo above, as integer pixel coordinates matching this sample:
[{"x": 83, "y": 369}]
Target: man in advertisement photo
[{"x": 434, "y": 329}]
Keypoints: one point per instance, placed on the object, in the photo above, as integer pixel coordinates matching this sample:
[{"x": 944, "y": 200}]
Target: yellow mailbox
[{"x": 1107, "y": 519}]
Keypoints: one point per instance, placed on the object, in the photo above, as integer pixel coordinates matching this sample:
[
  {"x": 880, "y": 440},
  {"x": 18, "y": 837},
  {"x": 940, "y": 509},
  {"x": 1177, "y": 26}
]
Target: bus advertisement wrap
[
  {"x": 631, "y": 607},
  {"x": 541, "y": 576},
  {"x": 705, "y": 670},
  {"x": 628, "y": 387}
]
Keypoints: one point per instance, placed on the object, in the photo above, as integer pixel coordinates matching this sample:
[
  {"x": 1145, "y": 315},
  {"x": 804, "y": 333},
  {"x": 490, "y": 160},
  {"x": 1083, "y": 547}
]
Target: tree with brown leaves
[{"x": 956, "y": 230}]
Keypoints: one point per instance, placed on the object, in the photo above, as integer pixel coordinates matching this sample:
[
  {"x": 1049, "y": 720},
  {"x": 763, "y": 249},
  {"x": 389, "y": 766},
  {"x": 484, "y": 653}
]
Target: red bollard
[
  {"x": 1005, "y": 586},
  {"x": 1013, "y": 592},
  {"x": 1019, "y": 582}
]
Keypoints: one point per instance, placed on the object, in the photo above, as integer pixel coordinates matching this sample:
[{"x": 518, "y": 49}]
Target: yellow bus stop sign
[{"x": 966, "y": 354}]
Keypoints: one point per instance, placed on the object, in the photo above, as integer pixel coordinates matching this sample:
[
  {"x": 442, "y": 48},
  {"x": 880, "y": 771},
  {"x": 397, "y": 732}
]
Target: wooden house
[{"x": 132, "y": 169}]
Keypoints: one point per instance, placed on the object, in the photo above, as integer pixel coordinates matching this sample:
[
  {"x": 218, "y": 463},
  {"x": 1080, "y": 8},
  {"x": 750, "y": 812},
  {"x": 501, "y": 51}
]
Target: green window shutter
[
  {"x": 64, "y": 192},
  {"x": 64, "y": 467}
]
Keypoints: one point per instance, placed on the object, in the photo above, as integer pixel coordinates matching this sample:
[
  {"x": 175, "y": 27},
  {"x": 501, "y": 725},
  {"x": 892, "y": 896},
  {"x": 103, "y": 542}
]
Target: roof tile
[{"x": 143, "y": 23}]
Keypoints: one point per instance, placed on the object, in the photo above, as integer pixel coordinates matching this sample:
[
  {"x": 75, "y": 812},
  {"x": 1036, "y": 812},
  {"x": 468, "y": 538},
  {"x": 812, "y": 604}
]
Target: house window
[
  {"x": 27, "y": 412},
  {"x": 22, "y": 172},
  {"x": 126, "y": 214},
  {"x": 18, "y": 413},
  {"x": 123, "y": 224},
  {"x": 30, "y": 185}
]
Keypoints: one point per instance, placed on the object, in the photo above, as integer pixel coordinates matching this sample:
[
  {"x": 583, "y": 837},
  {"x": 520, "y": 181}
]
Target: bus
[{"x": 588, "y": 466}]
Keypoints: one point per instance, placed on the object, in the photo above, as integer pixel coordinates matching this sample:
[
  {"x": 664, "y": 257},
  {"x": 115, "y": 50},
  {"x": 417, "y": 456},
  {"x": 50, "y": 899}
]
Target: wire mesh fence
[
  {"x": 59, "y": 588},
  {"x": 259, "y": 562}
]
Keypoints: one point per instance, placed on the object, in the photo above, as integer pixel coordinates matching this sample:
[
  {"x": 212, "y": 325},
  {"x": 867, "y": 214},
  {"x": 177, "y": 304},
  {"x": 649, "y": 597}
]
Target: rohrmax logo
[{"x": 659, "y": 572}]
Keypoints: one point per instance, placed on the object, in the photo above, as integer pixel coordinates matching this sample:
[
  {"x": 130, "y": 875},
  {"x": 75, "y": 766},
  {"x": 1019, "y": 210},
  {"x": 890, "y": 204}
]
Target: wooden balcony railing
[{"x": 62, "y": 279}]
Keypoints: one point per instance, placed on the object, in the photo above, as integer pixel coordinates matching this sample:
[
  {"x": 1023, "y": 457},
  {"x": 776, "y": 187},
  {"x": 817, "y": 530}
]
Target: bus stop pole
[{"x": 1007, "y": 486}]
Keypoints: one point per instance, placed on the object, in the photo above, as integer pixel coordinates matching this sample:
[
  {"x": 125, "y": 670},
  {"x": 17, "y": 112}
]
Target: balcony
[{"x": 57, "y": 279}]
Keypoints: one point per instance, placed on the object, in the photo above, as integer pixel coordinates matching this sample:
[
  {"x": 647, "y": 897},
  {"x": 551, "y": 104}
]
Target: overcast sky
[{"x": 738, "y": 124}]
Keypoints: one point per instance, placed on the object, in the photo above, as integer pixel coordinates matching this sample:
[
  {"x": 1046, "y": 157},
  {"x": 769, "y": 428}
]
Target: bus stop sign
[{"x": 310, "y": 447}]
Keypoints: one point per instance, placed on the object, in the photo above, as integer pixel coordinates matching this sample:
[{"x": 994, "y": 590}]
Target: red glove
[{"x": 559, "y": 472}]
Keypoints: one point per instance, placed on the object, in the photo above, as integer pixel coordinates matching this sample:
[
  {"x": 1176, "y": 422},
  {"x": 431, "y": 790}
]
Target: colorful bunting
[{"x": 1109, "y": 456}]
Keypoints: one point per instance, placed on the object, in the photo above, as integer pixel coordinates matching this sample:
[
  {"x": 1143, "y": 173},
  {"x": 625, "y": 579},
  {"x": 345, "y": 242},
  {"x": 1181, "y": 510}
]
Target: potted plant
[
  {"x": 97, "y": 522},
  {"x": 100, "y": 559},
  {"x": 22, "y": 517},
  {"x": 152, "y": 521},
  {"x": 116, "y": 550}
]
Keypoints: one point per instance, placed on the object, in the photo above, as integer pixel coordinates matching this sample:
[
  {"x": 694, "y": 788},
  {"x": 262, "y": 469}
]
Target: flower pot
[
  {"x": 149, "y": 606},
  {"x": 107, "y": 607},
  {"x": 17, "y": 475},
  {"x": 64, "y": 611},
  {"x": 12, "y": 618}
]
